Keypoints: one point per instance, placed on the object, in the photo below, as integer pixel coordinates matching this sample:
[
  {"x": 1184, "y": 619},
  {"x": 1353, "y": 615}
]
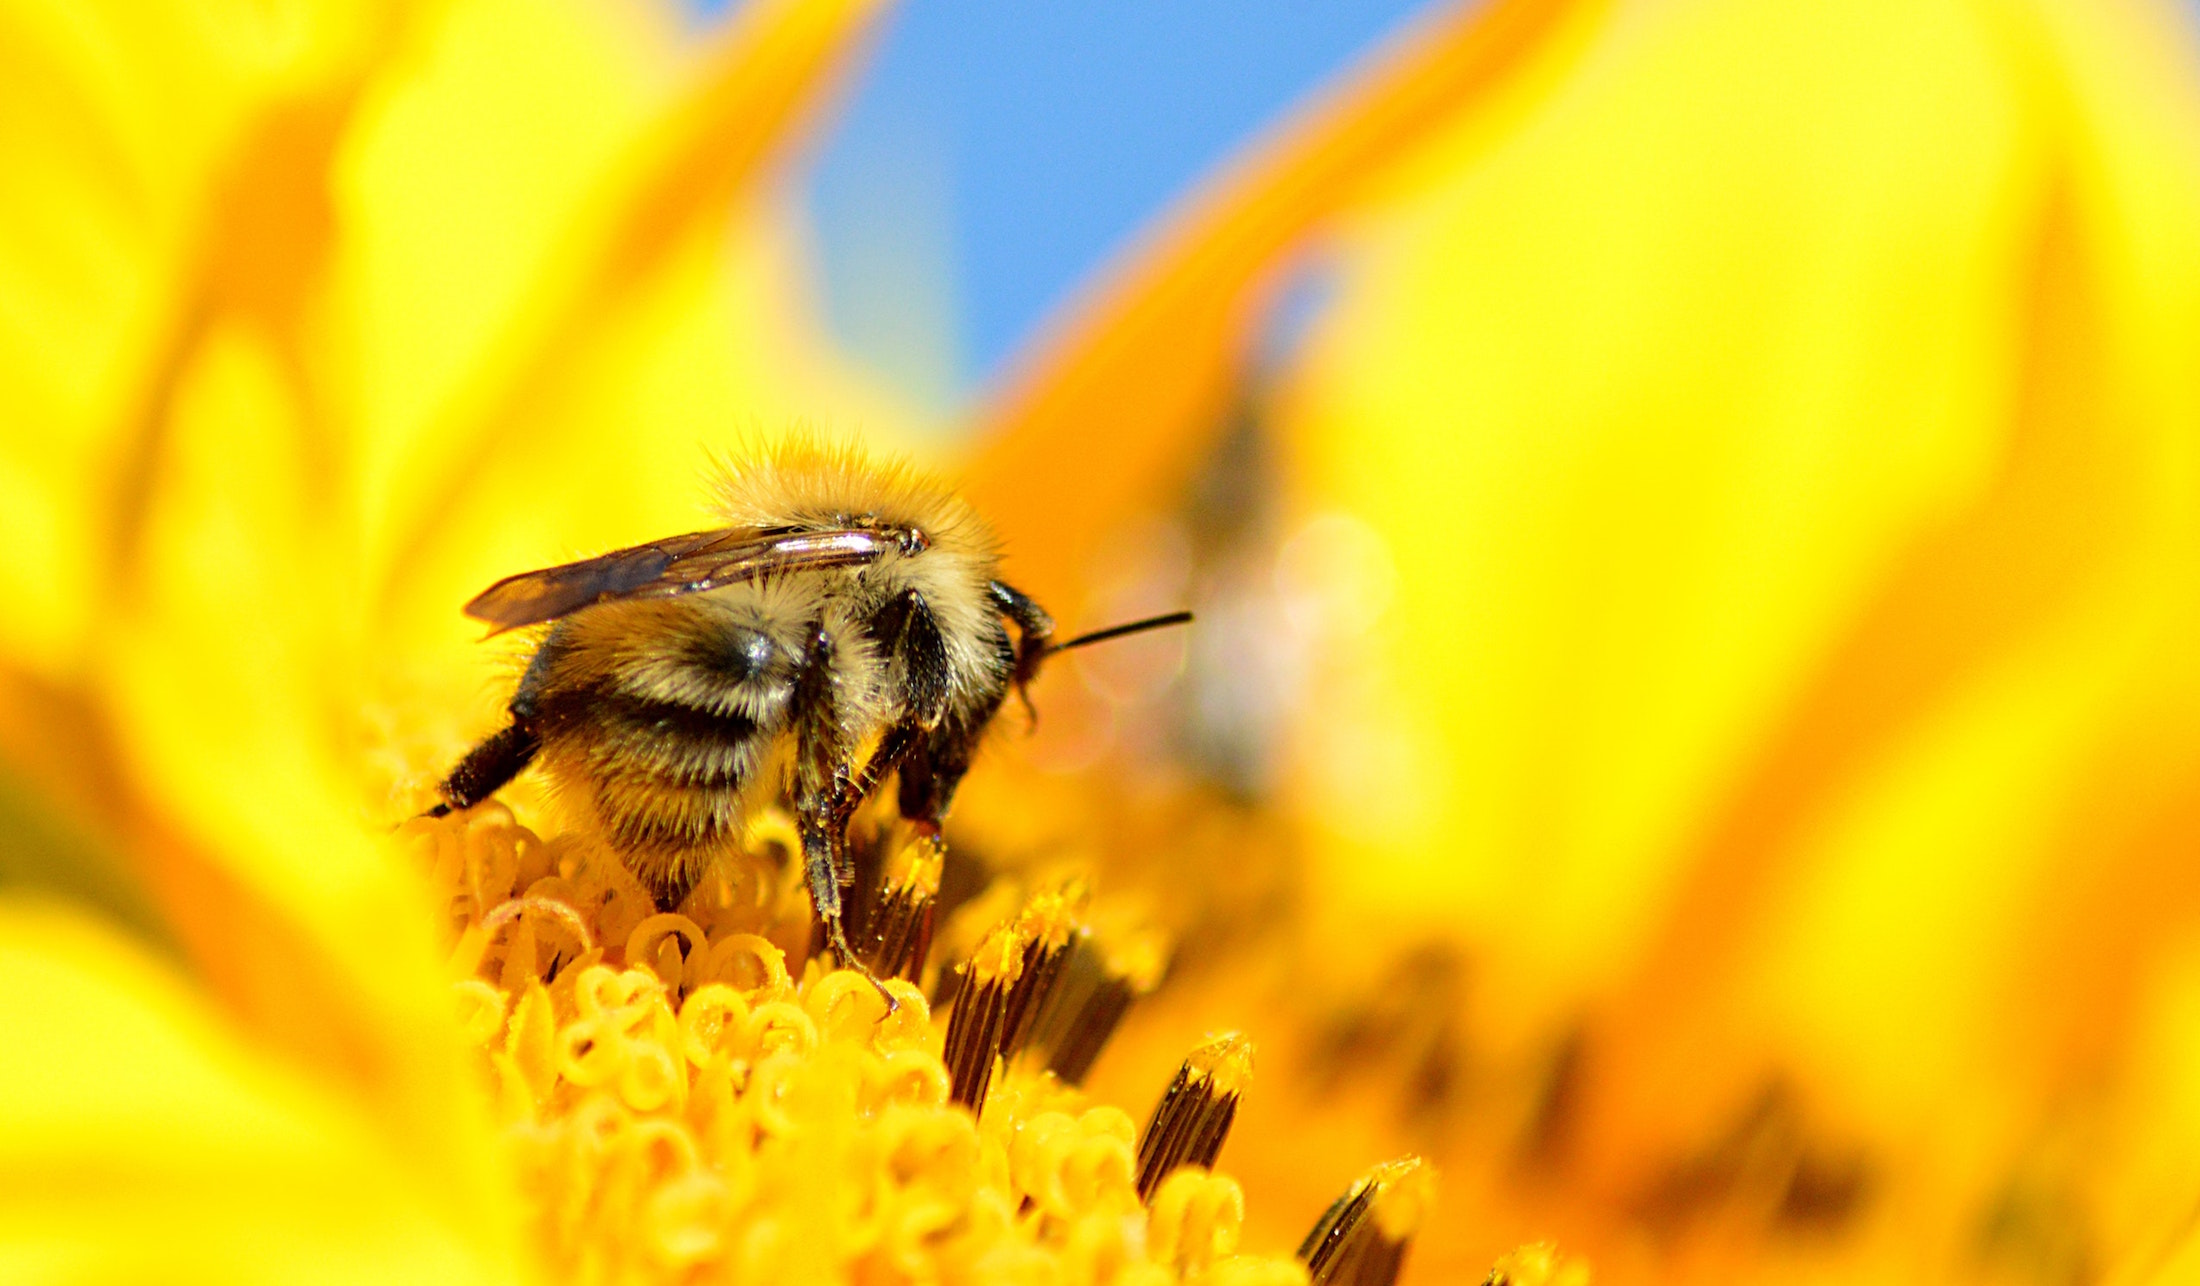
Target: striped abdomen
[{"x": 662, "y": 746}]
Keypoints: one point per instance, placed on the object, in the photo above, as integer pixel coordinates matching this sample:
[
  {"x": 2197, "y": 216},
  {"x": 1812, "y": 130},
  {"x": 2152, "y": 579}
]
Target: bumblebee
[{"x": 846, "y": 603}]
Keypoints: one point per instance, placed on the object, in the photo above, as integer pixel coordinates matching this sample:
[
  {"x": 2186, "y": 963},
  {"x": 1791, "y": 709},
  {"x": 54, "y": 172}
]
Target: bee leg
[
  {"x": 822, "y": 846},
  {"x": 486, "y": 768},
  {"x": 845, "y": 797},
  {"x": 822, "y": 782},
  {"x": 489, "y": 766},
  {"x": 1034, "y": 636},
  {"x": 893, "y": 748},
  {"x": 933, "y": 769},
  {"x": 1033, "y": 624}
]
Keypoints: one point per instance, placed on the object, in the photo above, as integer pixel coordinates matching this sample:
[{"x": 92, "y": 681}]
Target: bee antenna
[{"x": 1130, "y": 627}]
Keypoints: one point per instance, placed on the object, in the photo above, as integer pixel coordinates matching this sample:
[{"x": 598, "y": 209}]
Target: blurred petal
[
  {"x": 130, "y": 130},
  {"x": 1114, "y": 406},
  {"x": 1779, "y": 422},
  {"x": 224, "y": 686},
  {"x": 139, "y": 1140},
  {"x": 660, "y": 175},
  {"x": 42, "y": 853},
  {"x": 225, "y": 641},
  {"x": 1791, "y": 485}
]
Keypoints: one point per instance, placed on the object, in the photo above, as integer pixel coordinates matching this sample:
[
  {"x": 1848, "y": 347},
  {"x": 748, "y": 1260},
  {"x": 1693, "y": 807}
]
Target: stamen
[
  {"x": 1193, "y": 1118},
  {"x": 974, "y": 1030},
  {"x": 681, "y": 1107},
  {"x": 1361, "y": 1240},
  {"x": 896, "y": 933},
  {"x": 1048, "y": 924},
  {"x": 1097, "y": 982},
  {"x": 1013, "y": 972}
]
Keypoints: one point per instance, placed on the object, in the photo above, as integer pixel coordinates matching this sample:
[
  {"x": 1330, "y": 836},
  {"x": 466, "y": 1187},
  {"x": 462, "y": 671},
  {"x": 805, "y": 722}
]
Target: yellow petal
[
  {"x": 132, "y": 132},
  {"x": 140, "y": 1140},
  {"x": 229, "y": 689},
  {"x": 632, "y": 301},
  {"x": 1784, "y": 440},
  {"x": 216, "y": 716},
  {"x": 577, "y": 220},
  {"x": 1775, "y": 426}
]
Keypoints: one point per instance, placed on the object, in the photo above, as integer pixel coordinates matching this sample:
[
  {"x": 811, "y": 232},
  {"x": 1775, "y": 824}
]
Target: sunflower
[
  {"x": 1710, "y": 681},
  {"x": 317, "y": 313}
]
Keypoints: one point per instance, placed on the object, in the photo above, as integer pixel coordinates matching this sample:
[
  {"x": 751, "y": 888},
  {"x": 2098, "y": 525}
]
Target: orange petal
[{"x": 1116, "y": 403}]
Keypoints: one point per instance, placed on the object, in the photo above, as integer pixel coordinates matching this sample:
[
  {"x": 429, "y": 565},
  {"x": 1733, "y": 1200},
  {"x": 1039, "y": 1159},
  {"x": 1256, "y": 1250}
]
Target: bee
[{"x": 846, "y": 603}]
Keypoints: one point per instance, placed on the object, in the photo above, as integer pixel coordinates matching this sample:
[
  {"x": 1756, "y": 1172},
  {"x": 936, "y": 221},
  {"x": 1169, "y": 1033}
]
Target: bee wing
[{"x": 665, "y": 568}]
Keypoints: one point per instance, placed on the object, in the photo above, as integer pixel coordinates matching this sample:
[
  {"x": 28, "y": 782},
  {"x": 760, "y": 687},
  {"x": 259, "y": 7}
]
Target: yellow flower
[
  {"x": 683, "y": 1107},
  {"x": 302, "y": 305},
  {"x": 1738, "y": 528},
  {"x": 317, "y": 318},
  {"x": 1770, "y": 747}
]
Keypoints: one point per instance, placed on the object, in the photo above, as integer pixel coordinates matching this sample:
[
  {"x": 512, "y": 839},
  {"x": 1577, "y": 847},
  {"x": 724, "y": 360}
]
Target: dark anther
[
  {"x": 1361, "y": 1239},
  {"x": 1098, "y": 980},
  {"x": 1193, "y": 1118},
  {"x": 892, "y": 931},
  {"x": 1048, "y": 925},
  {"x": 974, "y": 1029}
]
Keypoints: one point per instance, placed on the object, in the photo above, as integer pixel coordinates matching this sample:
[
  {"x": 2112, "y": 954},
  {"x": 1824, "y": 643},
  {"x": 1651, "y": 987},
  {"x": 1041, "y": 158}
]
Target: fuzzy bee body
[{"x": 847, "y": 604}]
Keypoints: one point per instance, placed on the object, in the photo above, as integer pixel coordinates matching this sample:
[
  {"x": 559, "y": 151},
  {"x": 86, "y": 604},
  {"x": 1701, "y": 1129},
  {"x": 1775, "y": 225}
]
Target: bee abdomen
[
  {"x": 648, "y": 817},
  {"x": 676, "y": 746}
]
